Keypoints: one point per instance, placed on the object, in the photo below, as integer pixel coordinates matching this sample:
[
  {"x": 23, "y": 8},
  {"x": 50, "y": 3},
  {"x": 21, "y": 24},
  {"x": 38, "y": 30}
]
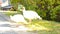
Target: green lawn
[
  {"x": 48, "y": 27},
  {"x": 43, "y": 26}
]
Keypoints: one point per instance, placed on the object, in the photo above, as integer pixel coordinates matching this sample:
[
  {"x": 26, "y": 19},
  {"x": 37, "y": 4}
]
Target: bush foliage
[{"x": 47, "y": 9}]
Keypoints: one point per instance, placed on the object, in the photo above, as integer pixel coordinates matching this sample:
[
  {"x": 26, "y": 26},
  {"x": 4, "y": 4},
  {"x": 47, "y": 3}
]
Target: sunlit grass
[{"x": 45, "y": 27}]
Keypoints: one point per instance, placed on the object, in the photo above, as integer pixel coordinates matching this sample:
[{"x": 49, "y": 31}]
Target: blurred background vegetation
[{"x": 47, "y": 9}]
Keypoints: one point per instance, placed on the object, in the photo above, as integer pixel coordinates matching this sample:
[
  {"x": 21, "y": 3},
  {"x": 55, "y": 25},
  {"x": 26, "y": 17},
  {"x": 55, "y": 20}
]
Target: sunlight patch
[{"x": 36, "y": 28}]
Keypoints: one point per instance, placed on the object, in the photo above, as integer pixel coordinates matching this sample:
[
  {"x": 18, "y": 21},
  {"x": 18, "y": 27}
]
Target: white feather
[{"x": 18, "y": 18}]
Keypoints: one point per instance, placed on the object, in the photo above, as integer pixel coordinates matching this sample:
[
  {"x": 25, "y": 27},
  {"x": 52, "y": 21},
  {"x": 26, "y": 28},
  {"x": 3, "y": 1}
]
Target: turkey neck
[{"x": 24, "y": 10}]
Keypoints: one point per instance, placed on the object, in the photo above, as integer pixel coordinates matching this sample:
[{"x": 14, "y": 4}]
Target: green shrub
[{"x": 55, "y": 14}]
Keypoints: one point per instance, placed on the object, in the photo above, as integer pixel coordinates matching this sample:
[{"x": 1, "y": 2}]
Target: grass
[
  {"x": 43, "y": 26},
  {"x": 8, "y": 13},
  {"x": 48, "y": 27}
]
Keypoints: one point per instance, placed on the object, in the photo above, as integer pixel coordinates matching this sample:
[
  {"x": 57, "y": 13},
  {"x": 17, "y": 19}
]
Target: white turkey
[
  {"x": 30, "y": 14},
  {"x": 18, "y": 18}
]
